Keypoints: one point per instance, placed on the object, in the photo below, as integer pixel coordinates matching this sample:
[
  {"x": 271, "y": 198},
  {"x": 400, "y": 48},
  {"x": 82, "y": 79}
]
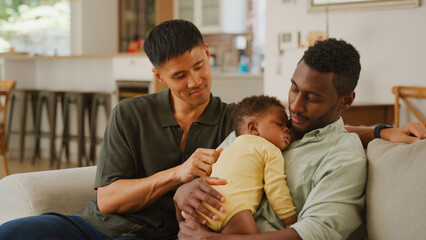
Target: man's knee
[
  {"x": 9, "y": 230},
  {"x": 35, "y": 227},
  {"x": 49, "y": 226}
]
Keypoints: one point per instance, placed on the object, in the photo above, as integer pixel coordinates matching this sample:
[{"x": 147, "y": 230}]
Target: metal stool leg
[
  {"x": 24, "y": 97},
  {"x": 49, "y": 100},
  {"x": 37, "y": 127},
  {"x": 9, "y": 120},
  {"x": 83, "y": 102},
  {"x": 80, "y": 132},
  {"x": 65, "y": 132},
  {"x": 95, "y": 105},
  {"x": 103, "y": 99},
  {"x": 23, "y": 112},
  {"x": 53, "y": 104}
]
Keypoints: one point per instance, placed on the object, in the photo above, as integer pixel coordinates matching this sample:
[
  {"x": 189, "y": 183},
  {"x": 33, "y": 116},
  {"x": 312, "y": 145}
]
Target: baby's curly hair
[
  {"x": 338, "y": 57},
  {"x": 252, "y": 106}
]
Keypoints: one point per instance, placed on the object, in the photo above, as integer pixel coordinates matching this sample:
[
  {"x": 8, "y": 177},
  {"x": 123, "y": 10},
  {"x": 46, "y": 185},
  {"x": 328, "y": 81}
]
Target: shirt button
[{"x": 180, "y": 130}]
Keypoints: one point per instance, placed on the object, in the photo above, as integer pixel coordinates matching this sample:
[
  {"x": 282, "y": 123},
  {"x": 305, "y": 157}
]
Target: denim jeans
[{"x": 52, "y": 226}]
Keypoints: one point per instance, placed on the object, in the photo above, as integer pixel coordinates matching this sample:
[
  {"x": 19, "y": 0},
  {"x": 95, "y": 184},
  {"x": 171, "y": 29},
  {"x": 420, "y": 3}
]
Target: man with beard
[{"x": 325, "y": 165}]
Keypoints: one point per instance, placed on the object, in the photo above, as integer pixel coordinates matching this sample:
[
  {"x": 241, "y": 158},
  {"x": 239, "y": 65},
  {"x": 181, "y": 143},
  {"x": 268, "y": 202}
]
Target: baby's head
[{"x": 262, "y": 116}]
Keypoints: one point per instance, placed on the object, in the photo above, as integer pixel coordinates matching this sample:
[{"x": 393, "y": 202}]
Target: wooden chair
[
  {"x": 404, "y": 92},
  {"x": 6, "y": 87}
]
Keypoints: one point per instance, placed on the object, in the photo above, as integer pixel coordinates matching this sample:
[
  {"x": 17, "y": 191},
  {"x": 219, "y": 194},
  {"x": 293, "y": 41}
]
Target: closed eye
[
  {"x": 199, "y": 67},
  {"x": 313, "y": 100},
  {"x": 180, "y": 77}
]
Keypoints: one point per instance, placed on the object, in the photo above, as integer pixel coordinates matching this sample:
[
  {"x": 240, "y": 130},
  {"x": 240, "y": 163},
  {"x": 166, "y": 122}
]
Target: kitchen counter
[
  {"x": 75, "y": 73},
  {"x": 216, "y": 74}
]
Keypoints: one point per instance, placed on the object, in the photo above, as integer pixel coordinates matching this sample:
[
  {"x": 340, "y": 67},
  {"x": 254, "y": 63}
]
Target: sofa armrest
[
  {"x": 64, "y": 191},
  {"x": 396, "y": 190}
]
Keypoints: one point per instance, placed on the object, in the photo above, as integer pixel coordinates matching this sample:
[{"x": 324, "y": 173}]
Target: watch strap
[{"x": 378, "y": 129}]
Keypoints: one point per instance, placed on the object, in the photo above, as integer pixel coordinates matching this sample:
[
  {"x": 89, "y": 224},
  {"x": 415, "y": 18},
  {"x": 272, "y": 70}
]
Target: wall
[
  {"x": 391, "y": 44},
  {"x": 94, "y": 27}
]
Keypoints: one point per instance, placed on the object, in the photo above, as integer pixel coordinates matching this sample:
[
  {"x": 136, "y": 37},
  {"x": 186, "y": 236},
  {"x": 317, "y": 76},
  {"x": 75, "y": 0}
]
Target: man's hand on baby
[
  {"x": 199, "y": 164},
  {"x": 189, "y": 198},
  {"x": 190, "y": 229}
]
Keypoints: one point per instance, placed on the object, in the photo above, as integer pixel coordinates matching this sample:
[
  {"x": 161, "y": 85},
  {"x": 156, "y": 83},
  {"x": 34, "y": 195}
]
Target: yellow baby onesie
[{"x": 251, "y": 165}]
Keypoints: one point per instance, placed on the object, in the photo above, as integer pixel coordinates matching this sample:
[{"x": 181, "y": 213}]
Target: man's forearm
[
  {"x": 366, "y": 134},
  {"x": 132, "y": 195},
  {"x": 409, "y": 133}
]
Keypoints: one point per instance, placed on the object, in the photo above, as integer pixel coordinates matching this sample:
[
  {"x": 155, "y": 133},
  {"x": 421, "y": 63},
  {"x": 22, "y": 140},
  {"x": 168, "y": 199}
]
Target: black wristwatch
[{"x": 378, "y": 129}]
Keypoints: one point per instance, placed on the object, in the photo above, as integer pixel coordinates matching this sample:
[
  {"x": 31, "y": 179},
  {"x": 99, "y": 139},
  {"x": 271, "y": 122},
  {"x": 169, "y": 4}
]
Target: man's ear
[
  {"x": 252, "y": 127},
  {"x": 346, "y": 101},
  {"x": 158, "y": 76},
  {"x": 206, "y": 47}
]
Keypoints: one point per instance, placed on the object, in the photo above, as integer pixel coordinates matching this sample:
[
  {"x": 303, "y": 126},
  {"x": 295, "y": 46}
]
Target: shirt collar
[
  {"x": 319, "y": 133},
  {"x": 210, "y": 115}
]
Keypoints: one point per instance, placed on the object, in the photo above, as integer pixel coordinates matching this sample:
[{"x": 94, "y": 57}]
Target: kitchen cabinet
[
  {"x": 214, "y": 16},
  {"x": 136, "y": 19},
  {"x": 132, "y": 68}
]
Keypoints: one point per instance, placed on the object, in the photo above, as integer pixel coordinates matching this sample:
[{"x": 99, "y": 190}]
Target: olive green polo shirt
[{"x": 142, "y": 138}]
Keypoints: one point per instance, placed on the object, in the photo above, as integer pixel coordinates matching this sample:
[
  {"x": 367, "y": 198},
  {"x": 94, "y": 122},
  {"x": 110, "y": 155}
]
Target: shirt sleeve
[
  {"x": 115, "y": 158},
  {"x": 333, "y": 207},
  {"x": 275, "y": 188}
]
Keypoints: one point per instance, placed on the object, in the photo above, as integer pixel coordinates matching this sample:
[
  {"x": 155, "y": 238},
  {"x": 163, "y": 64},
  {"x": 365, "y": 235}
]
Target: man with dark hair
[
  {"x": 342, "y": 62},
  {"x": 170, "y": 40},
  {"x": 325, "y": 165},
  {"x": 337, "y": 57},
  {"x": 152, "y": 144}
]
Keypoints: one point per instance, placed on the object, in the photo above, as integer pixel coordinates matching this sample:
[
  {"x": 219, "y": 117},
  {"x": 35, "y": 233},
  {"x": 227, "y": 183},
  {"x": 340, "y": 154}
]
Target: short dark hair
[
  {"x": 338, "y": 57},
  {"x": 171, "y": 39},
  {"x": 252, "y": 106}
]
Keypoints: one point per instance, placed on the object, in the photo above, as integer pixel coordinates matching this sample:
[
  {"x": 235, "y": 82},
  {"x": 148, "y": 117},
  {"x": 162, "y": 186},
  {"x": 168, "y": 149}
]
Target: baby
[{"x": 252, "y": 165}]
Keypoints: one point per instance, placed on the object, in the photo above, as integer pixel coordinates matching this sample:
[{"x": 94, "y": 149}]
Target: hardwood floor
[{"x": 16, "y": 166}]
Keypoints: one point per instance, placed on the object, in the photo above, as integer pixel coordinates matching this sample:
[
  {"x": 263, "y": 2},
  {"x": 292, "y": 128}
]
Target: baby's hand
[{"x": 186, "y": 215}]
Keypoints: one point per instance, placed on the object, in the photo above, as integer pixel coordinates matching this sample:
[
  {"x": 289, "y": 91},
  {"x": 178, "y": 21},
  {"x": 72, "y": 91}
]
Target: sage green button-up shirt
[
  {"x": 326, "y": 174},
  {"x": 142, "y": 138}
]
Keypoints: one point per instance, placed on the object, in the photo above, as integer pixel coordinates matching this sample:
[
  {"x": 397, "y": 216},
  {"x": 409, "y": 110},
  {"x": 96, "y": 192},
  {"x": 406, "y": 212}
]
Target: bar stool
[
  {"x": 23, "y": 96},
  {"x": 50, "y": 100},
  {"x": 99, "y": 99},
  {"x": 83, "y": 102}
]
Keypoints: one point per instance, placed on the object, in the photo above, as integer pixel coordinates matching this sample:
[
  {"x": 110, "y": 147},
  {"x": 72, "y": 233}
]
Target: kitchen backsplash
[{"x": 224, "y": 56}]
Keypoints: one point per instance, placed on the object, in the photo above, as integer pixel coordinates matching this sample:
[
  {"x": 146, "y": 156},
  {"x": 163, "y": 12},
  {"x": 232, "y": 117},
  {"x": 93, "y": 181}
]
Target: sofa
[{"x": 395, "y": 192}]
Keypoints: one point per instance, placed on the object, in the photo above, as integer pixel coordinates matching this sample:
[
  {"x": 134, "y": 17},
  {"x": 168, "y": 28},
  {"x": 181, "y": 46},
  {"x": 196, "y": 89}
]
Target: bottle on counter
[{"x": 244, "y": 64}]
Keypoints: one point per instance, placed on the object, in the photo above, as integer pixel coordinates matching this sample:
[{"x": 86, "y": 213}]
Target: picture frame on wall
[{"x": 359, "y": 5}]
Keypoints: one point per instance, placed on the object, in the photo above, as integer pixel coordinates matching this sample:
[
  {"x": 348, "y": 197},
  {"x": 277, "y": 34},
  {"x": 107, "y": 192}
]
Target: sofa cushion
[
  {"x": 27, "y": 194},
  {"x": 396, "y": 190}
]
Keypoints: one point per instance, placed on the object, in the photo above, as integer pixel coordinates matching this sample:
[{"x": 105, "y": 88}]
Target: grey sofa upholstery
[
  {"x": 395, "y": 192},
  {"x": 28, "y": 194}
]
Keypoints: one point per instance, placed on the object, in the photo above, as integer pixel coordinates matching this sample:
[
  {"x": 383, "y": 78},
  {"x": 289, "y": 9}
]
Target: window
[{"x": 37, "y": 27}]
